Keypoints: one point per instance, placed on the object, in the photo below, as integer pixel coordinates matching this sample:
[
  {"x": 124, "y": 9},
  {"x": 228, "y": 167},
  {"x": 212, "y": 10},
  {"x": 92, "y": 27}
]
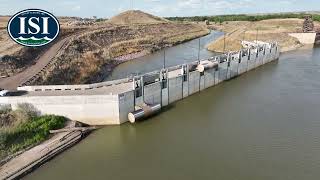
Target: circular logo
[{"x": 33, "y": 27}]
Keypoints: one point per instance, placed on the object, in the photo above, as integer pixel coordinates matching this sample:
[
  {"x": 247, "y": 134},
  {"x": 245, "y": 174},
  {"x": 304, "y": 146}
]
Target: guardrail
[
  {"x": 230, "y": 56},
  {"x": 74, "y": 87}
]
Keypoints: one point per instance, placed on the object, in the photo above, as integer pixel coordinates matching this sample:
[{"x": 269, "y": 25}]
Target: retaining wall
[
  {"x": 89, "y": 109},
  {"x": 305, "y": 38},
  {"x": 164, "y": 89}
]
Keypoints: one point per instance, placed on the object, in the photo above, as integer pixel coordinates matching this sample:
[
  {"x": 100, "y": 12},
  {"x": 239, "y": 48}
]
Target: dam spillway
[{"x": 110, "y": 102}]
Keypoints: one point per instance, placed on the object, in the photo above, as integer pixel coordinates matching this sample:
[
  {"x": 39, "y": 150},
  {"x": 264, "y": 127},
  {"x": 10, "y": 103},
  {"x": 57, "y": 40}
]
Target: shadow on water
[{"x": 152, "y": 117}]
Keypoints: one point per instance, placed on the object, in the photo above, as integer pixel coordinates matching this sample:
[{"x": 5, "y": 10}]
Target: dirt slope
[{"x": 13, "y": 82}]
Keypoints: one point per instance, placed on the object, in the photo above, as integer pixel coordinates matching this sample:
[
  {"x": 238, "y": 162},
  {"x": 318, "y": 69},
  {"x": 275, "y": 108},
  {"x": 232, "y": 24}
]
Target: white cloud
[
  {"x": 191, "y": 4},
  {"x": 76, "y": 8},
  {"x": 286, "y": 2},
  {"x": 120, "y": 9},
  {"x": 224, "y": 4},
  {"x": 162, "y": 9},
  {"x": 147, "y": 1}
]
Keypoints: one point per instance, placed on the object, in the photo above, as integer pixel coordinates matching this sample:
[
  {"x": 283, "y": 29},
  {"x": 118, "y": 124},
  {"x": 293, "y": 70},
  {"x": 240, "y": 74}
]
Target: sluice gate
[{"x": 179, "y": 82}]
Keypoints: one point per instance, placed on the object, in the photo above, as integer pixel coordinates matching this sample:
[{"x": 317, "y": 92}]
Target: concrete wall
[
  {"x": 113, "y": 109},
  {"x": 165, "y": 97},
  {"x": 252, "y": 60},
  {"x": 209, "y": 77},
  {"x": 194, "y": 84},
  {"x": 243, "y": 65},
  {"x": 175, "y": 89},
  {"x": 152, "y": 93},
  {"x": 223, "y": 70},
  {"x": 92, "y": 109},
  {"x": 216, "y": 76},
  {"x": 305, "y": 38},
  {"x": 126, "y": 104},
  {"x": 233, "y": 68},
  {"x": 185, "y": 86}
]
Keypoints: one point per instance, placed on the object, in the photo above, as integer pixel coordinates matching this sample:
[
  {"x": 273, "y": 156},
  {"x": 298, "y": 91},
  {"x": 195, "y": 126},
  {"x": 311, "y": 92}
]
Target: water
[
  {"x": 180, "y": 54},
  {"x": 262, "y": 125}
]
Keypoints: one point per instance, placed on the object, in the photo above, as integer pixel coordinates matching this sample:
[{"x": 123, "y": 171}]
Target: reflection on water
[
  {"x": 183, "y": 53},
  {"x": 262, "y": 125}
]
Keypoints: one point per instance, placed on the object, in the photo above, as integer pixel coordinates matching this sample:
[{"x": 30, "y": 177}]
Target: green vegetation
[
  {"x": 24, "y": 127},
  {"x": 101, "y": 20},
  {"x": 243, "y": 17},
  {"x": 31, "y": 41}
]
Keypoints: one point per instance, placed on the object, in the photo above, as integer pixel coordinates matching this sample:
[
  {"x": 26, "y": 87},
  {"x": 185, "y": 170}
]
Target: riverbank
[
  {"x": 29, "y": 160},
  {"x": 27, "y": 139},
  {"x": 24, "y": 127},
  {"x": 89, "y": 57},
  {"x": 275, "y": 30}
]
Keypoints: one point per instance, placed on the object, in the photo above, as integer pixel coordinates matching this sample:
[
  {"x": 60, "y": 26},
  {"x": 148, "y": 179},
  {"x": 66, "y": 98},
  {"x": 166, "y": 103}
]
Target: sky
[{"x": 164, "y": 8}]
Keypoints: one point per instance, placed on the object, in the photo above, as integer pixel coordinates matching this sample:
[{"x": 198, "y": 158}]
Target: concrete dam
[{"x": 137, "y": 97}]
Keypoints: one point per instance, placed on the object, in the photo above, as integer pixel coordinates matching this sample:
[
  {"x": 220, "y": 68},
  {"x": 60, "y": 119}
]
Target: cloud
[
  {"x": 76, "y": 8},
  {"x": 224, "y": 4},
  {"x": 287, "y": 2},
  {"x": 120, "y": 9},
  {"x": 191, "y": 4},
  {"x": 162, "y": 9},
  {"x": 157, "y": 1}
]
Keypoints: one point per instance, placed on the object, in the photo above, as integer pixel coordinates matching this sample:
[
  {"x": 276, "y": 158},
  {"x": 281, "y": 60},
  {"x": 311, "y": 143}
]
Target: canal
[
  {"x": 262, "y": 125},
  {"x": 179, "y": 54}
]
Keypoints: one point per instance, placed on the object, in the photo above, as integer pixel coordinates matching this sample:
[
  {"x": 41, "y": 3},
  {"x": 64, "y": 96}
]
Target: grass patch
[{"x": 25, "y": 130}]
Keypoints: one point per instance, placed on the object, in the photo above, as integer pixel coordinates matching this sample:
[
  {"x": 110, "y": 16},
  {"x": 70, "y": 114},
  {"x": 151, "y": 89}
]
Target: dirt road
[{"x": 13, "y": 82}]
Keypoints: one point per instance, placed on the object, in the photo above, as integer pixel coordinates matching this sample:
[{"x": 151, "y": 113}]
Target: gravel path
[{"x": 13, "y": 82}]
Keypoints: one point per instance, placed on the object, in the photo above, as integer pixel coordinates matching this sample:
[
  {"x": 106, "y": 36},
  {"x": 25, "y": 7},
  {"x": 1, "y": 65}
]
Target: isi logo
[{"x": 33, "y": 27}]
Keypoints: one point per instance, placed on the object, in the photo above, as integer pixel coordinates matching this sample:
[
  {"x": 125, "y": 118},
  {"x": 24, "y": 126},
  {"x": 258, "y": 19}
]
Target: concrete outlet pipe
[
  {"x": 204, "y": 65},
  {"x": 144, "y": 112}
]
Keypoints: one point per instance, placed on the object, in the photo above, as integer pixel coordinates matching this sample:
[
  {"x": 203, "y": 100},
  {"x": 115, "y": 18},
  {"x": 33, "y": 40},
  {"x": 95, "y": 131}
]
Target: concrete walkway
[{"x": 27, "y": 161}]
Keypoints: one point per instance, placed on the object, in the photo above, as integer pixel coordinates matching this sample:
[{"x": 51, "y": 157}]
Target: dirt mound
[{"x": 136, "y": 17}]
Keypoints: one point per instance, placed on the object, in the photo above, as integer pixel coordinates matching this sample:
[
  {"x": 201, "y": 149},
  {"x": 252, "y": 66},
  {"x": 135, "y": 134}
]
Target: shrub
[
  {"x": 24, "y": 113},
  {"x": 5, "y": 108}
]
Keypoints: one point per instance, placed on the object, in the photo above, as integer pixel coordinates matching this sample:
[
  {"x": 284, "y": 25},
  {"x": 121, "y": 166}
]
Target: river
[
  {"x": 262, "y": 125},
  {"x": 179, "y": 54}
]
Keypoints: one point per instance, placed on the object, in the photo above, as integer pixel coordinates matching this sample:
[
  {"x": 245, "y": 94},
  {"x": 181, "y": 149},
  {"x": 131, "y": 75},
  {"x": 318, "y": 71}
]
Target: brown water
[{"x": 262, "y": 125}]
